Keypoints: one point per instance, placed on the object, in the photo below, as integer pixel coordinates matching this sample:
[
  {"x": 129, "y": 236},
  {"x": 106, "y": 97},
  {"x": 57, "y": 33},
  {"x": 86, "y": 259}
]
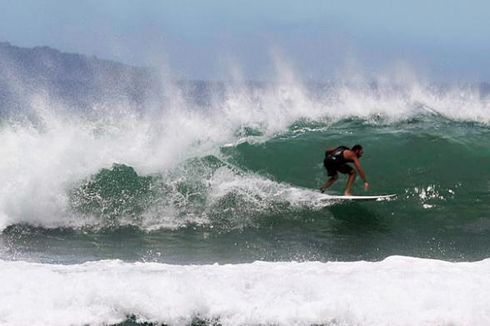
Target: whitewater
[{"x": 396, "y": 291}]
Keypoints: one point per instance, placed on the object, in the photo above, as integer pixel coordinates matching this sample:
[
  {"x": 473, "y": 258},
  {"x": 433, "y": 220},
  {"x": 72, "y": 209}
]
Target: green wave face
[
  {"x": 396, "y": 159},
  {"x": 113, "y": 193}
]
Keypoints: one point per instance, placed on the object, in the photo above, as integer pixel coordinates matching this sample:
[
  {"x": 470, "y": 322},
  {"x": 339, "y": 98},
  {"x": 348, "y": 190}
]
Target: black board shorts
[{"x": 333, "y": 167}]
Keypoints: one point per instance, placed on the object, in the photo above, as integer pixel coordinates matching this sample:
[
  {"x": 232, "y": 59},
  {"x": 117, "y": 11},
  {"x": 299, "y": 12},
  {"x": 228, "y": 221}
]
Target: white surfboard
[{"x": 358, "y": 198}]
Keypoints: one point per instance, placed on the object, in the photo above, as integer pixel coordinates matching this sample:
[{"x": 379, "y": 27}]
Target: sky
[{"x": 321, "y": 39}]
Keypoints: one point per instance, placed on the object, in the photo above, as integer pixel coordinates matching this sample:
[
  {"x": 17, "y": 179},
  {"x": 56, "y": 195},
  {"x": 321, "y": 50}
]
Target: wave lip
[{"x": 396, "y": 291}]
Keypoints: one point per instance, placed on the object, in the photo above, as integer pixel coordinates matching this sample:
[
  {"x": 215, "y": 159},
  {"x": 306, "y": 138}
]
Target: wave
[
  {"x": 165, "y": 166},
  {"x": 419, "y": 291}
]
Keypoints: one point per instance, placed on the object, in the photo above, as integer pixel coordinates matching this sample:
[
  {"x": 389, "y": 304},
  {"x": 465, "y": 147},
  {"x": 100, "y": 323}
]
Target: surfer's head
[{"x": 357, "y": 149}]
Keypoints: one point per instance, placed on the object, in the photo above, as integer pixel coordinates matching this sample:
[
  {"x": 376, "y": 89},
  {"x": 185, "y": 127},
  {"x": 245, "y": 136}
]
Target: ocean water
[{"x": 205, "y": 209}]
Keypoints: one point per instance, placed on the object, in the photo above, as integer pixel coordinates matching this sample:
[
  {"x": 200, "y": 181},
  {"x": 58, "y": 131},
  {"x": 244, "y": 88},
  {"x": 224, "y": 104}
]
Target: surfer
[{"x": 336, "y": 160}]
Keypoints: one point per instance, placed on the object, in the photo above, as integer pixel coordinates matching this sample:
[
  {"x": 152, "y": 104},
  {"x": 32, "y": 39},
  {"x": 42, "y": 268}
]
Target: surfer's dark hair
[{"x": 356, "y": 148}]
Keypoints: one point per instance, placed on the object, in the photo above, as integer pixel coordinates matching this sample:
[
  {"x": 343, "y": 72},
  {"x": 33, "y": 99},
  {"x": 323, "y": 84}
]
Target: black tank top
[{"x": 338, "y": 155}]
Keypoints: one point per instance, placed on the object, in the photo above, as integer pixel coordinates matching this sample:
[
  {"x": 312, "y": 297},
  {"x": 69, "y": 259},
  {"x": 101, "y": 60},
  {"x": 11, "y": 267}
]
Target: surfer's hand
[{"x": 366, "y": 186}]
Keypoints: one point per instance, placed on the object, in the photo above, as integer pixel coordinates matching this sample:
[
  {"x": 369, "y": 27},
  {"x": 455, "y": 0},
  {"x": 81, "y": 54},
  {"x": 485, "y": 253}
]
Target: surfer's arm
[
  {"x": 349, "y": 155},
  {"x": 361, "y": 173},
  {"x": 359, "y": 169}
]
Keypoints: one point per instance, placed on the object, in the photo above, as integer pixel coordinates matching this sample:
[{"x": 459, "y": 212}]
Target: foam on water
[
  {"x": 231, "y": 199},
  {"x": 259, "y": 190},
  {"x": 396, "y": 291}
]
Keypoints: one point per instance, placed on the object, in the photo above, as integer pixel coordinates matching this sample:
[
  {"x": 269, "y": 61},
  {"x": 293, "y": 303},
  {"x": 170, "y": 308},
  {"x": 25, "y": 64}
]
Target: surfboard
[{"x": 358, "y": 198}]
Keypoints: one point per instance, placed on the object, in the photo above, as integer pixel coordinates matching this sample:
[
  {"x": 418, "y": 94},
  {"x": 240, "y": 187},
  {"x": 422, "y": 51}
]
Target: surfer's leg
[
  {"x": 350, "y": 182},
  {"x": 329, "y": 182},
  {"x": 332, "y": 173}
]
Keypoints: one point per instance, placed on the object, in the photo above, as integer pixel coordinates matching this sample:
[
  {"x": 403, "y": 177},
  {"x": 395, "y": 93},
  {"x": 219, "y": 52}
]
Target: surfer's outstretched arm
[
  {"x": 361, "y": 173},
  {"x": 352, "y": 156}
]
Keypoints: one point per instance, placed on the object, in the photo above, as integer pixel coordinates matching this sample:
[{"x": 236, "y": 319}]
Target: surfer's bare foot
[{"x": 347, "y": 193}]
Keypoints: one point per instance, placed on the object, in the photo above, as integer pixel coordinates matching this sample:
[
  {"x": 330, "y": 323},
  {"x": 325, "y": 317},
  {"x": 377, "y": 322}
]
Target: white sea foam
[
  {"x": 250, "y": 194},
  {"x": 430, "y": 195},
  {"x": 259, "y": 191},
  {"x": 396, "y": 291}
]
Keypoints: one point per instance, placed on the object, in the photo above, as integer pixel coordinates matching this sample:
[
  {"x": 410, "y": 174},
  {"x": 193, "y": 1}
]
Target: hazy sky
[{"x": 445, "y": 39}]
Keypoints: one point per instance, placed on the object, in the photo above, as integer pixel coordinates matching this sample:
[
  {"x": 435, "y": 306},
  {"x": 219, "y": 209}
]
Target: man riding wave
[{"x": 336, "y": 160}]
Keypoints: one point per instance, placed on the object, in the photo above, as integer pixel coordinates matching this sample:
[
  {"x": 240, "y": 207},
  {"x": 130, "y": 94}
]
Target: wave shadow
[{"x": 355, "y": 218}]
